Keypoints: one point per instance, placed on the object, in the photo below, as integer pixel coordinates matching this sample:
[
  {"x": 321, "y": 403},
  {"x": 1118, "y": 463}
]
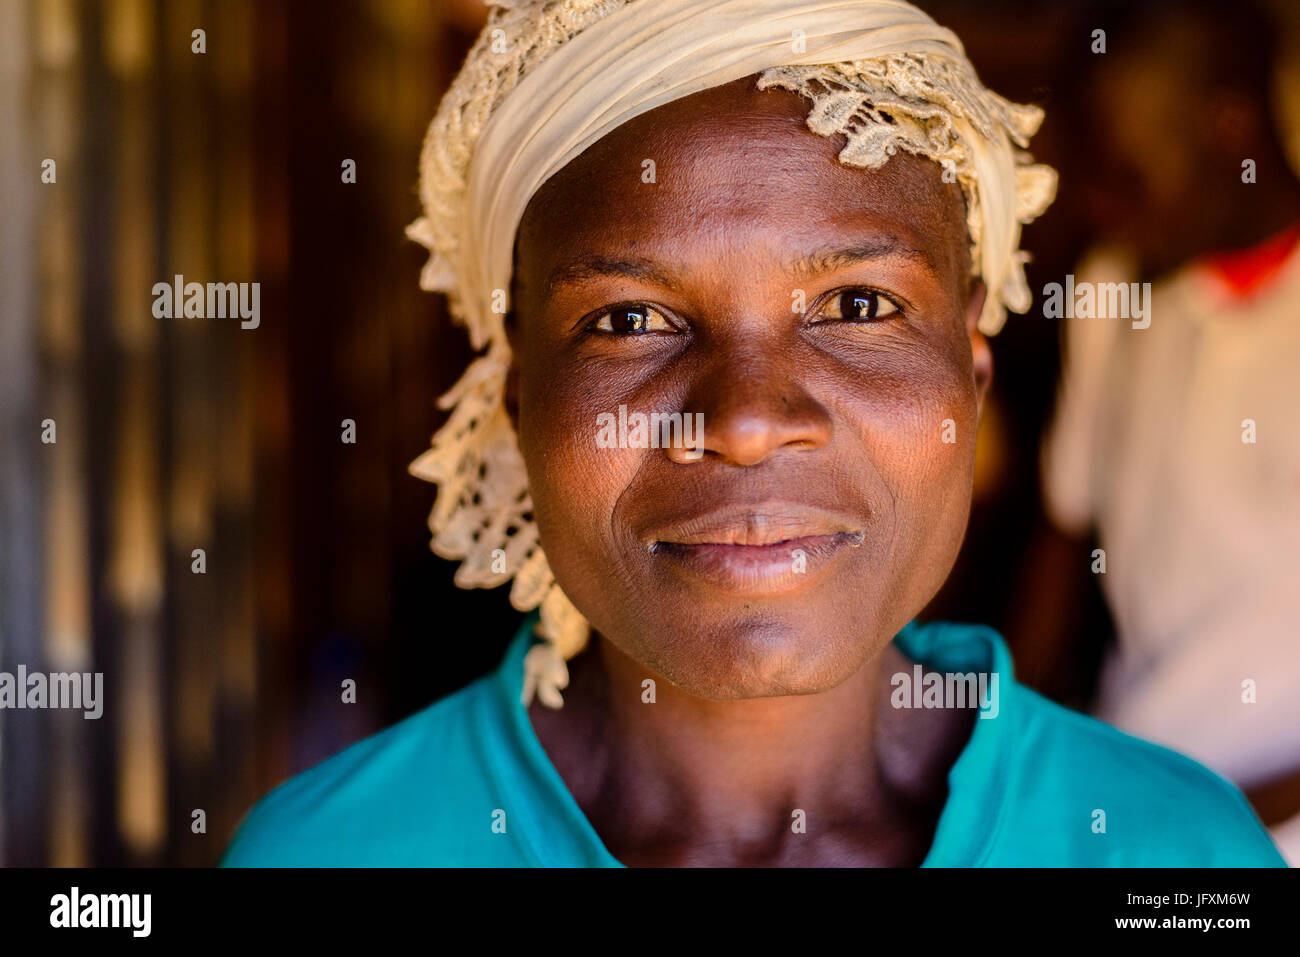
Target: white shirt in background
[{"x": 1201, "y": 530}]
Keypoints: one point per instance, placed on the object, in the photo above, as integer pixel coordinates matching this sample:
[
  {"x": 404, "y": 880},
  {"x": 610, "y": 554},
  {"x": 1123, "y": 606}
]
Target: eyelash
[
  {"x": 834, "y": 294},
  {"x": 590, "y": 324}
]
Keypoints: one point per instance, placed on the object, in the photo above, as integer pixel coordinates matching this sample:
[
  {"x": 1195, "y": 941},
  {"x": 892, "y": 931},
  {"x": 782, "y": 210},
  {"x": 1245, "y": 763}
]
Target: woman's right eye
[{"x": 632, "y": 320}]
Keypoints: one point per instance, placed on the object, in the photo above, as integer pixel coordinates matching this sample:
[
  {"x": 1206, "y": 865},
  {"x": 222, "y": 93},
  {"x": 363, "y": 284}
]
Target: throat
[{"x": 658, "y": 798}]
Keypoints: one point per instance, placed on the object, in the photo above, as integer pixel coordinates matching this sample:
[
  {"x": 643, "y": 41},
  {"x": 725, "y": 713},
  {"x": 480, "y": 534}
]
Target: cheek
[
  {"x": 915, "y": 412},
  {"x": 575, "y": 483}
]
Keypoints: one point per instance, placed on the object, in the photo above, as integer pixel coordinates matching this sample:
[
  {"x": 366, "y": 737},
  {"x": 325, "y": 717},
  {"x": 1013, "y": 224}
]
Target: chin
[{"x": 757, "y": 654}]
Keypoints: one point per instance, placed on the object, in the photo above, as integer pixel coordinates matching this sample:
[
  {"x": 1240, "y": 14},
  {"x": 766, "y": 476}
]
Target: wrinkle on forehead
[{"x": 732, "y": 154}]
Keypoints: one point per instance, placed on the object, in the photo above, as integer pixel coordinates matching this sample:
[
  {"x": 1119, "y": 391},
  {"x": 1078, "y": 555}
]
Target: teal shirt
[{"x": 1025, "y": 790}]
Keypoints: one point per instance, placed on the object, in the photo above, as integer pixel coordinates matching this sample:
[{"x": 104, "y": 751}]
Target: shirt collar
[{"x": 977, "y": 781}]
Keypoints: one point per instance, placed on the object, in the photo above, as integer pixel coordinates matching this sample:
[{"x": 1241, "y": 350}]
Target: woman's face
[{"x": 819, "y": 318}]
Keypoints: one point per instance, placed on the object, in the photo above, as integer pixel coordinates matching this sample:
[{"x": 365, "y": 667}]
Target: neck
[
  {"x": 716, "y": 780},
  {"x": 1261, "y": 211}
]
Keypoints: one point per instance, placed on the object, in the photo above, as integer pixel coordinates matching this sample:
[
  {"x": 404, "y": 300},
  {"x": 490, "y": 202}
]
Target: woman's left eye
[
  {"x": 632, "y": 320},
  {"x": 858, "y": 305}
]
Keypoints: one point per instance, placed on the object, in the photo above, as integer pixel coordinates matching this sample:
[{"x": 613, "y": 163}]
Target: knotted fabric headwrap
[{"x": 549, "y": 78}]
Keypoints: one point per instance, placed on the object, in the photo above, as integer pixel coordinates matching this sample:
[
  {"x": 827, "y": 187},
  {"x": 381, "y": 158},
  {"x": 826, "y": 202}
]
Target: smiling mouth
[
  {"x": 815, "y": 543},
  {"x": 749, "y": 550}
]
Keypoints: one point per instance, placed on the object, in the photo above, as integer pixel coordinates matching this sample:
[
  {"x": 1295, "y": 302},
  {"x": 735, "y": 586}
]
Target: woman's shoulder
[
  {"x": 1131, "y": 800},
  {"x": 372, "y": 800},
  {"x": 1068, "y": 789}
]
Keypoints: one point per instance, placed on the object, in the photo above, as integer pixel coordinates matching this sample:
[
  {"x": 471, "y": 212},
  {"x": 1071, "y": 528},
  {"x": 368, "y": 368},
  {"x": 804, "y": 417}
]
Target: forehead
[{"x": 734, "y": 168}]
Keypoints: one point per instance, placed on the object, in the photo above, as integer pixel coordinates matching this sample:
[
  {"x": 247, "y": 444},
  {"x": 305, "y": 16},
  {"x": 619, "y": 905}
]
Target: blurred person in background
[{"x": 1176, "y": 444}]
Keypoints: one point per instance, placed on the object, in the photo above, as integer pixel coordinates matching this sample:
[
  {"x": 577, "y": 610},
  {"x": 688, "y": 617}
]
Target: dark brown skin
[{"x": 768, "y": 701}]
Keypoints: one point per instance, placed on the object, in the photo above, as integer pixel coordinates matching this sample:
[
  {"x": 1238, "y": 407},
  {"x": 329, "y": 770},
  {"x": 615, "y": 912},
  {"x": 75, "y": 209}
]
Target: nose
[{"x": 753, "y": 403}]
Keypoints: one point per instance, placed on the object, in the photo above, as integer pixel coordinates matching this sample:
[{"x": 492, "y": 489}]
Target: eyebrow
[
  {"x": 826, "y": 259},
  {"x": 592, "y": 266},
  {"x": 837, "y": 257}
]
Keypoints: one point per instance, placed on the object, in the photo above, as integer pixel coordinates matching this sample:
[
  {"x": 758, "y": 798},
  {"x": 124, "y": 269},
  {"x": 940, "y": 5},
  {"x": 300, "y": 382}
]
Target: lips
[{"x": 769, "y": 547}]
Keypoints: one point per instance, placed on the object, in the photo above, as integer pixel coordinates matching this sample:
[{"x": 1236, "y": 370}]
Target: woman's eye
[
  {"x": 631, "y": 320},
  {"x": 858, "y": 305}
]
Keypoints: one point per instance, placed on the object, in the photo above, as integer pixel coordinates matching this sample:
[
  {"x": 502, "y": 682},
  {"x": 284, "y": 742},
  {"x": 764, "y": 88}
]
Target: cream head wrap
[{"x": 547, "y": 79}]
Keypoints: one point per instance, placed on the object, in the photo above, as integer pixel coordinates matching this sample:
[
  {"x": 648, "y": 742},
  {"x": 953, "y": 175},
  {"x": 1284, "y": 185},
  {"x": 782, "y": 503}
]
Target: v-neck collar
[{"x": 977, "y": 782}]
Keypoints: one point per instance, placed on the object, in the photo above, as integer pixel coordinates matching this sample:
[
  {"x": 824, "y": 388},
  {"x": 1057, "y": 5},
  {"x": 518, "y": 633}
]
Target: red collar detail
[{"x": 1247, "y": 271}]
